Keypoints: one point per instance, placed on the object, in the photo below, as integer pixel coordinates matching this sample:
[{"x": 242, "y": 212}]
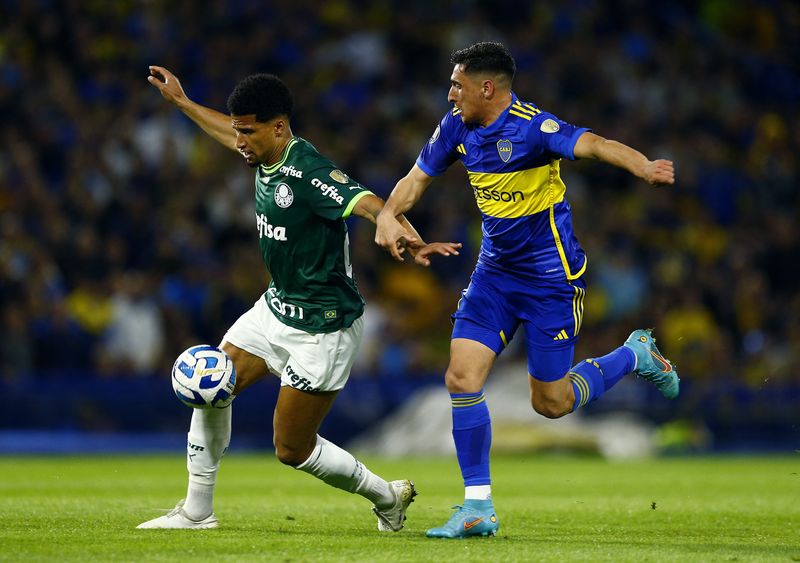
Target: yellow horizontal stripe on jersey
[
  {"x": 517, "y": 194},
  {"x": 518, "y": 114}
]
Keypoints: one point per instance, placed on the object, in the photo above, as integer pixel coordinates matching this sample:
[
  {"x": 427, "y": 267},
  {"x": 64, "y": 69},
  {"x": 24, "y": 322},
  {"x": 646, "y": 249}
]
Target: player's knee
[
  {"x": 551, "y": 407},
  {"x": 458, "y": 381},
  {"x": 289, "y": 454}
]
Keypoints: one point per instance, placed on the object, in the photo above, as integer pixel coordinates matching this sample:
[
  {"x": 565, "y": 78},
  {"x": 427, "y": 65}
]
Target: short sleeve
[
  {"x": 334, "y": 193},
  {"x": 556, "y": 136},
  {"x": 440, "y": 150}
]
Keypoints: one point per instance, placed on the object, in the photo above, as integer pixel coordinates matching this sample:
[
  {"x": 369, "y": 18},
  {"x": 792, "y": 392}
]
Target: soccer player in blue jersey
[{"x": 530, "y": 268}]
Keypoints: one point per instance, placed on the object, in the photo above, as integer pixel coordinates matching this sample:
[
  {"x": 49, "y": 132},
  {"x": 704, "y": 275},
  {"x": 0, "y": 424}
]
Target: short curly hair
[
  {"x": 487, "y": 56},
  {"x": 264, "y": 95}
]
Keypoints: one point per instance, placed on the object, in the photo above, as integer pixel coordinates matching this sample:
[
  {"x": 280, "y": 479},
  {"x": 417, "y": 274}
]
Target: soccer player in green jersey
[{"x": 307, "y": 326}]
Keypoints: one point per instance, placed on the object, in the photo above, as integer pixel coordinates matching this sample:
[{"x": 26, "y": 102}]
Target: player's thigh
[
  {"x": 296, "y": 421},
  {"x": 483, "y": 325},
  {"x": 552, "y": 317},
  {"x": 470, "y": 363},
  {"x": 249, "y": 343},
  {"x": 249, "y": 367},
  {"x": 552, "y": 324}
]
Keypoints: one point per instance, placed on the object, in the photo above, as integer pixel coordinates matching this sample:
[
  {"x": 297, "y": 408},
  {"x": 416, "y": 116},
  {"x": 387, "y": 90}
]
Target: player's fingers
[
  {"x": 397, "y": 250},
  {"x": 409, "y": 240}
]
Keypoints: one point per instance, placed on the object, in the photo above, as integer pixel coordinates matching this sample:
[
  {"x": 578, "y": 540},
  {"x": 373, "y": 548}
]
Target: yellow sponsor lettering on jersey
[{"x": 517, "y": 194}]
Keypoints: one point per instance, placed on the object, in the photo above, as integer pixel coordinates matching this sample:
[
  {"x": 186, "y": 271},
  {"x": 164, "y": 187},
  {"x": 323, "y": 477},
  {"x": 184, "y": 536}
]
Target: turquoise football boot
[
  {"x": 651, "y": 365},
  {"x": 475, "y": 518}
]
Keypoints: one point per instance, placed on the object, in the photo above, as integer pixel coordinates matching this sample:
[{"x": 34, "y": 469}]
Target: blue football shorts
[{"x": 494, "y": 305}]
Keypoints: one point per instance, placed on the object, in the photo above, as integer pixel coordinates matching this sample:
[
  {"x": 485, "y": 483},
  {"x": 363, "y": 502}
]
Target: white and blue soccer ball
[{"x": 204, "y": 377}]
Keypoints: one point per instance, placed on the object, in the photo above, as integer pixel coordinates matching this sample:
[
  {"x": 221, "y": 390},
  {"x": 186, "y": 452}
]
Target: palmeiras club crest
[
  {"x": 283, "y": 196},
  {"x": 504, "y": 149}
]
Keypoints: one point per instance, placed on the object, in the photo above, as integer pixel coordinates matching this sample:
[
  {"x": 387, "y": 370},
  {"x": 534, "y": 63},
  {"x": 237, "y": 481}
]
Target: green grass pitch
[{"x": 550, "y": 509}]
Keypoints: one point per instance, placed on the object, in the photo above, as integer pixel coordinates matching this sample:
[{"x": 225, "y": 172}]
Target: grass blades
[{"x": 550, "y": 509}]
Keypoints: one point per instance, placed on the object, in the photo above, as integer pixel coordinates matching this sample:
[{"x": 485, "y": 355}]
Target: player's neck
[
  {"x": 495, "y": 108},
  {"x": 280, "y": 147}
]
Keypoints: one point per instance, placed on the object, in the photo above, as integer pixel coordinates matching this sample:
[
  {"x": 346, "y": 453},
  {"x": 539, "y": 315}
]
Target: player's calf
[{"x": 552, "y": 399}]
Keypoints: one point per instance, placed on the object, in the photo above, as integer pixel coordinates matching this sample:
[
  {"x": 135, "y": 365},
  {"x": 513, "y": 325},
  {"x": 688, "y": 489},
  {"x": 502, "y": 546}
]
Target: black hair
[
  {"x": 488, "y": 56},
  {"x": 264, "y": 95}
]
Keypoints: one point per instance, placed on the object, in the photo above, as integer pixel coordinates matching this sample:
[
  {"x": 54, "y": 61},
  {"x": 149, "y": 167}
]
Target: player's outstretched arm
[
  {"x": 216, "y": 124},
  {"x": 655, "y": 172},
  {"x": 370, "y": 208},
  {"x": 406, "y": 193}
]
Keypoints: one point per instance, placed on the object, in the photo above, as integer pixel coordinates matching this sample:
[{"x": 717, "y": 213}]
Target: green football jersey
[{"x": 301, "y": 204}]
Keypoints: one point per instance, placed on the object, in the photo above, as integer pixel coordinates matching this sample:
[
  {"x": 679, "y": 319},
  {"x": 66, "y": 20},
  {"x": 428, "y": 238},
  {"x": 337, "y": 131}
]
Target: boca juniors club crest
[{"x": 504, "y": 149}]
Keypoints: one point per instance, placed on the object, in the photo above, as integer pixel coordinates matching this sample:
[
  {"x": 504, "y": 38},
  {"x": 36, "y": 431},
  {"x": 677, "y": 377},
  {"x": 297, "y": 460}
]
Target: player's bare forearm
[
  {"x": 654, "y": 172},
  {"x": 407, "y": 192},
  {"x": 391, "y": 234},
  {"x": 368, "y": 207},
  {"x": 217, "y": 125},
  {"x": 371, "y": 206}
]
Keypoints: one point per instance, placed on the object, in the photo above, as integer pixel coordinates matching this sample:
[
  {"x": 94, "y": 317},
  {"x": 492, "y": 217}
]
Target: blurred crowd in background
[{"x": 127, "y": 235}]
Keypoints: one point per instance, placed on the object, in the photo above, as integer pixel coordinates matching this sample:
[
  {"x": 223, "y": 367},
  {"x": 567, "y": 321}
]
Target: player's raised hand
[
  {"x": 422, "y": 255},
  {"x": 168, "y": 84},
  {"x": 659, "y": 172}
]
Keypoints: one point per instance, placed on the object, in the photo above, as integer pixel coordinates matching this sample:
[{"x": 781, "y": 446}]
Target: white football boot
[
  {"x": 177, "y": 519},
  {"x": 391, "y": 519}
]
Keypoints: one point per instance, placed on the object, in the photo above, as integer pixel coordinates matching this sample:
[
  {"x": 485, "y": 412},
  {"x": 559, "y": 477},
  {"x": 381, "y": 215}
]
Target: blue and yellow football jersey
[{"x": 513, "y": 167}]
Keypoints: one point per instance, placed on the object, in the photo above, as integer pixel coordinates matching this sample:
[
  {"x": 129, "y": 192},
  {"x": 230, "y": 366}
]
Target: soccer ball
[{"x": 204, "y": 377}]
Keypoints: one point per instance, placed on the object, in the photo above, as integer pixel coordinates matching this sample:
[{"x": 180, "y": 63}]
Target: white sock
[
  {"x": 478, "y": 492},
  {"x": 209, "y": 436},
  {"x": 340, "y": 469}
]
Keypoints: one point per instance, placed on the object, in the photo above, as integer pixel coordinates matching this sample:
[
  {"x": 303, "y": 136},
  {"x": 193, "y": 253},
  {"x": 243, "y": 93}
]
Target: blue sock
[
  {"x": 594, "y": 376},
  {"x": 472, "y": 434}
]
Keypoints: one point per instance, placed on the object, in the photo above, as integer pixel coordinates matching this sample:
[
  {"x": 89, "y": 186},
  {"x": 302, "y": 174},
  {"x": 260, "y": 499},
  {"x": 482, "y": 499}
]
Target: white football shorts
[{"x": 305, "y": 361}]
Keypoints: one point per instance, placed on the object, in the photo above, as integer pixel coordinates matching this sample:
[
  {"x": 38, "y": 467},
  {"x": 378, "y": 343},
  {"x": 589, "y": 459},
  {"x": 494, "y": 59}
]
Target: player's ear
[
  {"x": 279, "y": 127},
  {"x": 488, "y": 88}
]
